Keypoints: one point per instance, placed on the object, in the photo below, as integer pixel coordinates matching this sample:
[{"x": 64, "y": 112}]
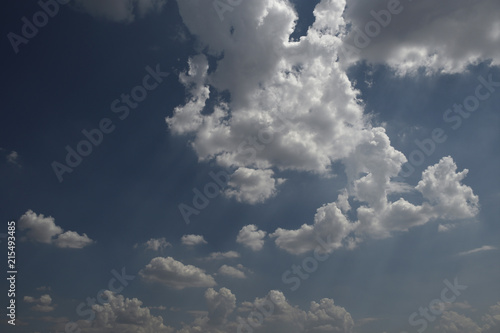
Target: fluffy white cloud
[
  {"x": 220, "y": 305},
  {"x": 252, "y": 186},
  {"x": 193, "y": 240},
  {"x": 175, "y": 274},
  {"x": 330, "y": 228},
  {"x": 155, "y": 244},
  {"x": 42, "y": 304},
  {"x": 292, "y": 107},
  {"x": 223, "y": 255},
  {"x": 441, "y": 186},
  {"x": 250, "y": 236},
  {"x": 44, "y": 230},
  {"x": 119, "y": 10},
  {"x": 122, "y": 314},
  {"x": 438, "y": 35},
  {"x": 71, "y": 239},
  {"x": 231, "y": 272}
]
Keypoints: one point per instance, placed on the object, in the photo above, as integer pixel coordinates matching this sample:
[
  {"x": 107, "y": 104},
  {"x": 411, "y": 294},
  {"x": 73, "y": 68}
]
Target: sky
[{"x": 250, "y": 166}]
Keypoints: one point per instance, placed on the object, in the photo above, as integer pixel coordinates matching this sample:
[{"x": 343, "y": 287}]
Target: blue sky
[{"x": 355, "y": 147}]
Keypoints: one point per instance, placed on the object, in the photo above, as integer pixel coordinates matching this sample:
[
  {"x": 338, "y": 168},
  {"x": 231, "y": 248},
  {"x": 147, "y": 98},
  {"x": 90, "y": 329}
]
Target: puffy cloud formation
[
  {"x": 43, "y": 229},
  {"x": 193, "y": 240},
  {"x": 377, "y": 216},
  {"x": 252, "y": 186},
  {"x": 442, "y": 36},
  {"x": 122, "y": 314},
  {"x": 293, "y": 108},
  {"x": 272, "y": 313},
  {"x": 454, "y": 322},
  {"x": 231, "y": 272},
  {"x": 251, "y": 237},
  {"x": 119, "y": 10},
  {"x": 42, "y": 304},
  {"x": 175, "y": 274}
]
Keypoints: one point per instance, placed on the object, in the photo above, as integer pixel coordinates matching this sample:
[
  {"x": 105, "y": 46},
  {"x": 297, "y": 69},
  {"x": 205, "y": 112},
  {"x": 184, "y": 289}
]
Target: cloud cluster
[
  {"x": 43, "y": 229},
  {"x": 119, "y": 10},
  {"x": 175, "y": 274},
  {"x": 193, "y": 240},
  {"x": 122, "y": 314},
  {"x": 155, "y": 244}
]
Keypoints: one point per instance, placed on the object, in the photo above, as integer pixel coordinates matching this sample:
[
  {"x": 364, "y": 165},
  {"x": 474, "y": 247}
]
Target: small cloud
[
  {"x": 193, "y": 240},
  {"x": 42, "y": 304},
  {"x": 155, "y": 244},
  {"x": 223, "y": 255},
  {"x": 480, "y": 249},
  {"x": 231, "y": 272},
  {"x": 13, "y": 158},
  {"x": 175, "y": 274},
  {"x": 251, "y": 237},
  {"x": 446, "y": 227}
]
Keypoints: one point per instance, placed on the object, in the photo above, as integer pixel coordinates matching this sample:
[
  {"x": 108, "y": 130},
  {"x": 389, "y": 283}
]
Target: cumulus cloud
[
  {"x": 119, "y": 10},
  {"x": 293, "y": 108},
  {"x": 155, "y": 244},
  {"x": 278, "y": 315},
  {"x": 251, "y": 237},
  {"x": 120, "y": 314},
  {"x": 220, "y": 305},
  {"x": 42, "y": 304},
  {"x": 43, "y": 229},
  {"x": 440, "y": 36},
  {"x": 175, "y": 274},
  {"x": 223, "y": 255},
  {"x": 231, "y": 272},
  {"x": 193, "y": 240}
]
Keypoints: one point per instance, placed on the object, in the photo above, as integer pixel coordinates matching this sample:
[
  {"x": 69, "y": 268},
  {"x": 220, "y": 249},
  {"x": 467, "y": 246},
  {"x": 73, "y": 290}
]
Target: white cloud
[
  {"x": 120, "y": 314},
  {"x": 446, "y": 227},
  {"x": 175, "y": 274},
  {"x": 293, "y": 108},
  {"x": 438, "y": 35},
  {"x": 119, "y": 10},
  {"x": 330, "y": 228},
  {"x": 193, "y": 240},
  {"x": 250, "y": 236},
  {"x": 480, "y": 249},
  {"x": 252, "y": 186},
  {"x": 71, "y": 239},
  {"x": 44, "y": 230},
  {"x": 223, "y": 255},
  {"x": 441, "y": 186},
  {"x": 155, "y": 244},
  {"x": 231, "y": 272},
  {"x": 42, "y": 304},
  {"x": 220, "y": 305}
]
